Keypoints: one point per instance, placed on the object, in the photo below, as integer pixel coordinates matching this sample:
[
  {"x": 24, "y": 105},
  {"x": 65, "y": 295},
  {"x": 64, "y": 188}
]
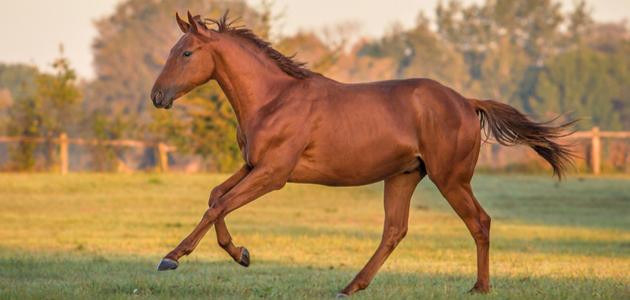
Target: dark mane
[{"x": 287, "y": 64}]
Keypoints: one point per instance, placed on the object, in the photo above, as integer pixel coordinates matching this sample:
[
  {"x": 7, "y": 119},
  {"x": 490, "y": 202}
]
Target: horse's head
[{"x": 189, "y": 64}]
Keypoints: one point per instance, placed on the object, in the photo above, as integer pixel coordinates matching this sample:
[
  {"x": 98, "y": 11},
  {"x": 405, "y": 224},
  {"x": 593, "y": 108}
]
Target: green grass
[{"x": 101, "y": 236}]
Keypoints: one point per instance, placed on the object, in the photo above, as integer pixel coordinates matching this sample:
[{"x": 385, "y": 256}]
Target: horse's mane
[{"x": 286, "y": 63}]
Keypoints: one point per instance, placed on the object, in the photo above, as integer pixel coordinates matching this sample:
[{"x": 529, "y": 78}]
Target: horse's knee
[
  {"x": 215, "y": 194},
  {"x": 213, "y": 213}
]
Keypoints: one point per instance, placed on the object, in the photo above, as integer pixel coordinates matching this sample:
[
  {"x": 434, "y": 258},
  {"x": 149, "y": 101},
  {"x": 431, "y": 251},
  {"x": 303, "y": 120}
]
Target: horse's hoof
[
  {"x": 479, "y": 290},
  {"x": 167, "y": 264},
  {"x": 244, "y": 261},
  {"x": 341, "y": 295}
]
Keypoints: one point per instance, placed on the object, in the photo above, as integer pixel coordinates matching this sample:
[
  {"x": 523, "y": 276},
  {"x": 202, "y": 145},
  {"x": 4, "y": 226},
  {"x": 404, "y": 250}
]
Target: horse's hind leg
[
  {"x": 451, "y": 153},
  {"x": 458, "y": 192},
  {"x": 398, "y": 191}
]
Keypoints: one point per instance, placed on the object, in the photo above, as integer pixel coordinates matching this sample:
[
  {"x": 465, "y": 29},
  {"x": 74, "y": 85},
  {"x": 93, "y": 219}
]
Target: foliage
[
  {"x": 16, "y": 82},
  {"x": 102, "y": 127},
  {"x": 24, "y": 121},
  {"x": 57, "y": 98},
  {"x": 45, "y": 109},
  {"x": 585, "y": 82}
]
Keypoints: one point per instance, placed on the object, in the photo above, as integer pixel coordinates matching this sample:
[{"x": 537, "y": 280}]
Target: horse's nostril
[{"x": 157, "y": 97}]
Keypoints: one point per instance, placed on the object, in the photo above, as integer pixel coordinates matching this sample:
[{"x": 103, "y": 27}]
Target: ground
[{"x": 102, "y": 235}]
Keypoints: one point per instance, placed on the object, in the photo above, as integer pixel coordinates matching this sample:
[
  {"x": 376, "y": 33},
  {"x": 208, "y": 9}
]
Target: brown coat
[{"x": 299, "y": 126}]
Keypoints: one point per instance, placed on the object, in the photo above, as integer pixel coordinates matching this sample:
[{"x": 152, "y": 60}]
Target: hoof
[
  {"x": 341, "y": 295},
  {"x": 478, "y": 290},
  {"x": 244, "y": 261},
  {"x": 167, "y": 264}
]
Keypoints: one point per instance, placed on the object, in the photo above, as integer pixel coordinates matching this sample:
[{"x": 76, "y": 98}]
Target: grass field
[{"x": 101, "y": 236}]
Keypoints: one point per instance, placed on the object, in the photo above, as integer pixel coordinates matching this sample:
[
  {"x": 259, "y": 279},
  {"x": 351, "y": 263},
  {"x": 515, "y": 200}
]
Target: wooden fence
[
  {"x": 595, "y": 136},
  {"x": 63, "y": 141}
]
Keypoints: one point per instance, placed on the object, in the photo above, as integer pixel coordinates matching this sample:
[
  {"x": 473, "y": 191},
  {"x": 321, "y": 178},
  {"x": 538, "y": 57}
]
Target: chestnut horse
[{"x": 295, "y": 125}]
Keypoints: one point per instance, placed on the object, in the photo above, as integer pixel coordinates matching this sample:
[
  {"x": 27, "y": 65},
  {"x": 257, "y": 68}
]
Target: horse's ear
[
  {"x": 193, "y": 23},
  {"x": 185, "y": 27},
  {"x": 200, "y": 22}
]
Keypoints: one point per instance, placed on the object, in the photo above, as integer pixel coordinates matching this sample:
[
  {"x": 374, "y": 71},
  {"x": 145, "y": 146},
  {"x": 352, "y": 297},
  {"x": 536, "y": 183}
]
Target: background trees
[
  {"x": 535, "y": 55},
  {"x": 44, "y": 105}
]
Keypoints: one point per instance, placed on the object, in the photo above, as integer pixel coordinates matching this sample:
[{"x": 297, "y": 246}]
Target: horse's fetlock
[
  {"x": 223, "y": 243},
  {"x": 362, "y": 284}
]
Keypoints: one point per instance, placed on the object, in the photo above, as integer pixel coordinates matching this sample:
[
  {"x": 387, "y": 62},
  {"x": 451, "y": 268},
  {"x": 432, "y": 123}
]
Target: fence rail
[
  {"x": 596, "y": 146},
  {"x": 162, "y": 149},
  {"x": 63, "y": 141}
]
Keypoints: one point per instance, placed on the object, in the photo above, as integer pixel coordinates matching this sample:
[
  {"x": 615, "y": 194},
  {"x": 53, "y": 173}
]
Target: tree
[
  {"x": 59, "y": 97},
  {"x": 585, "y": 82},
  {"x": 24, "y": 121},
  {"x": 52, "y": 108},
  {"x": 503, "y": 42},
  {"x": 419, "y": 52},
  {"x": 309, "y": 48},
  {"x": 16, "y": 82}
]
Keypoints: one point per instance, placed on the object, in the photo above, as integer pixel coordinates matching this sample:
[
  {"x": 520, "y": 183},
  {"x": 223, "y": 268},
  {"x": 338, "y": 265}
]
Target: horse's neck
[{"x": 248, "y": 78}]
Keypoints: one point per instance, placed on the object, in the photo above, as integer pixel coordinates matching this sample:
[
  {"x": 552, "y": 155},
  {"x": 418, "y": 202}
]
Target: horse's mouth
[{"x": 163, "y": 104}]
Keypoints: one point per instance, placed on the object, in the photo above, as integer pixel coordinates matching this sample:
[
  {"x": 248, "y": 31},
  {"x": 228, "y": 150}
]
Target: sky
[{"x": 32, "y": 30}]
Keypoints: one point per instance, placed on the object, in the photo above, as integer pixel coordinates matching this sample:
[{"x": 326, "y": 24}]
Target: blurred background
[{"x": 75, "y": 75}]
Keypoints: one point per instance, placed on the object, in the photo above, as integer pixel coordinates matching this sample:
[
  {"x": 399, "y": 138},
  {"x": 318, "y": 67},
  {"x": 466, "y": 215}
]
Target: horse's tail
[{"x": 510, "y": 127}]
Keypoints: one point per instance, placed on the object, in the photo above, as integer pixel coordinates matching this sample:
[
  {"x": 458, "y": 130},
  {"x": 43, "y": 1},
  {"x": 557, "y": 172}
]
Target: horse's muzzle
[{"x": 161, "y": 100}]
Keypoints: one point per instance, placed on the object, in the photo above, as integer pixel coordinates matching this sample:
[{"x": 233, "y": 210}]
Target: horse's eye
[{"x": 187, "y": 53}]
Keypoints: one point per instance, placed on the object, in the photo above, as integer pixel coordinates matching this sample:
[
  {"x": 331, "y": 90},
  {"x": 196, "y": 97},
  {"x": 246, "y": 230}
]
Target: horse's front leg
[
  {"x": 259, "y": 181},
  {"x": 239, "y": 254}
]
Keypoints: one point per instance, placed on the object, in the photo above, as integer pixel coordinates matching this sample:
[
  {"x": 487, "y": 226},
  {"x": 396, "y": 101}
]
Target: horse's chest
[
  {"x": 248, "y": 150},
  {"x": 241, "y": 139}
]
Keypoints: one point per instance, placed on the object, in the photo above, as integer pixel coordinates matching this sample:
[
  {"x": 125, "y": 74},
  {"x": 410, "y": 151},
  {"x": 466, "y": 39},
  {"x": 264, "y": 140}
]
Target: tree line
[{"x": 543, "y": 58}]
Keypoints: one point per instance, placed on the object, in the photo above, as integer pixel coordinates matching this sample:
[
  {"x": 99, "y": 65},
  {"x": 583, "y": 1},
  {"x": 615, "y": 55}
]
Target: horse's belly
[{"x": 344, "y": 165}]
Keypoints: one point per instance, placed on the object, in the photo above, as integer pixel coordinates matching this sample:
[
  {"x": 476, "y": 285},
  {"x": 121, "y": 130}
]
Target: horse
[{"x": 295, "y": 125}]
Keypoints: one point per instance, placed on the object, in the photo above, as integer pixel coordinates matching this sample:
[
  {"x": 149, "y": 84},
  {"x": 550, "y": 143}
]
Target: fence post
[
  {"x": 63, "y": 153},
  {"x": 595, "y": 151},
  {"x": 162, "y": 157}
]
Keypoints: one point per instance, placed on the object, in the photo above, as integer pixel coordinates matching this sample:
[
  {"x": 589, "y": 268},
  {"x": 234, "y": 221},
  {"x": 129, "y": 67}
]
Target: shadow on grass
[
  {"x": 546, "y": 245},
  {"x": 23, "y": 277}
]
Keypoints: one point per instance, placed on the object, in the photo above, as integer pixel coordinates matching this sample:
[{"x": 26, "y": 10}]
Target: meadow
[{"x": 101, "y": 236}]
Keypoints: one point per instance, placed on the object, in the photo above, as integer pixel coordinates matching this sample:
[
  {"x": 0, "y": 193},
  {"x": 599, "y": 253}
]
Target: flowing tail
[{"x": 510, "y": 127}]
